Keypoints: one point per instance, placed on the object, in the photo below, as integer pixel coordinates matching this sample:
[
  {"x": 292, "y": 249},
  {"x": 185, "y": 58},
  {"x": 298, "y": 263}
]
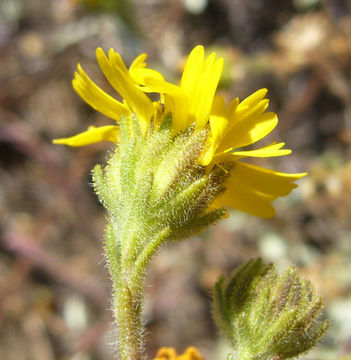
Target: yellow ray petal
[
  {"x": 140, "y": 74},
  {"x": 249, "y": 131},
  {"x": 218, "y": 125},
  {"x": 203, "y": 92},
  {"x": 218, "y": 119},
  {"x": 271, "y": 150},
  {"x": 176, "y": 101},
  {"x": 239, "y": 196},
  {"x": 250, "y": 112},
  {"x": 192, "y": 69},
  {"x": 139, "y": 62},
  {"x": 265, "y": 181},
  {"x": 253, "y": 98},
  {"x": 91, "y": 136},
  {"x": 96, "y": 97},
  {"x": 117, "y": 74},
  {"x": 233, "y": 105},
  {"x": 178, "y": 105},
  {"x": 244, "y": 113}
]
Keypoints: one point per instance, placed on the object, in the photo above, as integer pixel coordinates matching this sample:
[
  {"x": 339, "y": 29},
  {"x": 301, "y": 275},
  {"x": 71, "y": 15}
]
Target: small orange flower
[{"x": 168, "y": 353}]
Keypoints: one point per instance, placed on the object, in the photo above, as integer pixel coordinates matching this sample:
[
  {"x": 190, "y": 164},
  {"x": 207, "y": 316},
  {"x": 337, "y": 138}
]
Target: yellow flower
[
  {"x": 193, "y": 103},
  {"x": 168, "y": 353}
]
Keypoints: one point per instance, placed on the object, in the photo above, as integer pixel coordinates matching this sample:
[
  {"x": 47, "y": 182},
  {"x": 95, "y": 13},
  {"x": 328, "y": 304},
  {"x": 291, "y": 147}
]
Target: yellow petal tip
[
  {"x": 99, "y": 50},
  {"x": 60, "y": 142}
]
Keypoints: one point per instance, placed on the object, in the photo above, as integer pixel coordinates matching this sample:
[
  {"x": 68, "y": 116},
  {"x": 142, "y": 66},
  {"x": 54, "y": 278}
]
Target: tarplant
[{"x": 174, "y": 169}]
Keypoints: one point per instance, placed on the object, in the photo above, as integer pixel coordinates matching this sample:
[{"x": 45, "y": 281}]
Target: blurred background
[{"x": 54, "y": 288}]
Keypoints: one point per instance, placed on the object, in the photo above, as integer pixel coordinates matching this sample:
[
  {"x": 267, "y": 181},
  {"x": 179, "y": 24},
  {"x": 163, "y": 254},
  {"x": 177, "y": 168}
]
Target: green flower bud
[{"x": 267, "y": 316}]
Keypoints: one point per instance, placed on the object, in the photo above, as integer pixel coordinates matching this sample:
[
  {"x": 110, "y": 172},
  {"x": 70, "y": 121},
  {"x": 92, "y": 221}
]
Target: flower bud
[{"x": 268, "y": 316}]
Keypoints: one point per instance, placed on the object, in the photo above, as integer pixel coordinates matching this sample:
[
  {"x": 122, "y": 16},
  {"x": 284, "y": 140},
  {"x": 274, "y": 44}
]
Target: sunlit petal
[
  {"x": 192, "y": 69},
  {"x": 118, "y": 76},
  {"x": 267, "y": 151},
  {"x": 253, "y": 99},
  {"x": 176, "y": 101},
  {"x": 139, "y": 62},
  {"x": 218, "y": 124},
  {"x": 140, "y": 74},
  {"x": 96, "y": 97},
  {"x": 266, "y": 181},
  {"x": 204, "y": 90},
  {"x": 242, "y": 197},
  {"x": 249, "y": 131},
  {"x": 91, "y": 136}
]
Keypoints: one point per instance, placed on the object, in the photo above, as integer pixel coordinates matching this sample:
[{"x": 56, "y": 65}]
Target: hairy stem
[{"x": 127, "y": 309}]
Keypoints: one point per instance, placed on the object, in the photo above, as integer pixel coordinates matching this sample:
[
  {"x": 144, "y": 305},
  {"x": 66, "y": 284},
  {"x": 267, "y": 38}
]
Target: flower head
[
  {"x": 166, "y": 353},
  {"x": 266, "y": 315},
  {"x": 193, "y": 107}
]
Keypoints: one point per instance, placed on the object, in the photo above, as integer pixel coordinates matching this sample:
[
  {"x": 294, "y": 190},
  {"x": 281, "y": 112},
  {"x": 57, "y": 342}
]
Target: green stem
[
  {"x": 127, "y": 309},
  {"x": 128, "y": 300}
]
